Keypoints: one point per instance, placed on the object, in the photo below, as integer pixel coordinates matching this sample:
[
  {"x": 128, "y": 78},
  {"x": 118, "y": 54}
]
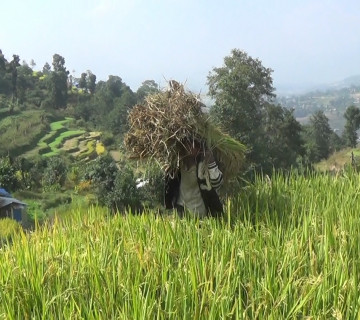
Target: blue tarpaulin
[{"x": 4, "y": 193}]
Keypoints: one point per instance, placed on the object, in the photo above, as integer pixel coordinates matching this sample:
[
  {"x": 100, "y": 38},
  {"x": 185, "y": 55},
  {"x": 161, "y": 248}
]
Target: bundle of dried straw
[{"x": 159, "y": 127}]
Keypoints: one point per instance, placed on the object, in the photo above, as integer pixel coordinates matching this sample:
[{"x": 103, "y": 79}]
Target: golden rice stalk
[{"x": 229, "y": 153}]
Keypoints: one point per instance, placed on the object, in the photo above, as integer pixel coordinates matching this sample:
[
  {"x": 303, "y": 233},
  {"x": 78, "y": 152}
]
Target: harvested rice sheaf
[{"x": 159, "y": 127}]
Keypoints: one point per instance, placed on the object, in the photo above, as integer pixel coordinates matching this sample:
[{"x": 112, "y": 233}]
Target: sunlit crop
[{"x": 288, "y": 248}]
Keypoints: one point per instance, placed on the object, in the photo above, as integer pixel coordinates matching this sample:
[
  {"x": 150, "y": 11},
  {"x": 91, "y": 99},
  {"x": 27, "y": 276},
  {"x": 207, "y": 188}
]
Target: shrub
[
  {"x": 55, "y": 201},
  {"x": 124, "y": 195},
  {"x": 83, "y": 186},
  {"x": 100, "y": 149},
  {"x": 116, "y": 189},
  {"x": 55, "y": 174},
  {"x": 107, "y": 139},
  {"x": 152, "y": 192}
]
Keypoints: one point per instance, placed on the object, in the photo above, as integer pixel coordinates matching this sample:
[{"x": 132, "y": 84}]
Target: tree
[
  {"x": 91, "y": 84},
  {"x": 3, "y": 61},
  {"x": 46, "y": 69},
  {"x": 54, "y": 174},
  {"x": 352, "y": 116},
  {"x": 146, "y": 88},
  {"x": 283, "y": 143},
  {"x": 8, "y": 179},
  {"x": 4, "y": 83},
  {"x": 318, "y": 136},
  {"x": 25, "y": 82},
  {"x": 114, "y": 85},
  {"x": 58, "y": 82},
  {"x": 101, "y": 173},
  {"x": 32, "y": 63},
  {"x": 240, "y": 89},
  {"x": 15, "y": 62},
  {"x": 125, "y": 194},
  {"x": 82, "y": 81},
  {"x": 115, "y": 188},
  {"x": 58, "y": 63}
]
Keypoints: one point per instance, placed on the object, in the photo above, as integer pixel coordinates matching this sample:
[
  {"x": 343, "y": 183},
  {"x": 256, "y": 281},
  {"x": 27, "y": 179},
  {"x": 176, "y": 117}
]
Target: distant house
[{"x": 11, "y": 207}]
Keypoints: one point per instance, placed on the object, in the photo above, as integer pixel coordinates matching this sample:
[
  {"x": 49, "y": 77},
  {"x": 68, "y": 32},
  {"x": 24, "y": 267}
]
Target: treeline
[
  {"x": 243, "y": 105},
  {"x": 102, "y": 105}
]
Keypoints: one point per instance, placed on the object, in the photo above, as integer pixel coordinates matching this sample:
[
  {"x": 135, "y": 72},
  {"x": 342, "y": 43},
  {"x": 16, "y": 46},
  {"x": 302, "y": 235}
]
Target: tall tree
[
  {"x": 14, "y": 63},
  {"x": 318, "y": 137},
  {"x": 91, "y": 85},
  {"x": 25, "y": 82},
  {"x": 4, "y": 83},
  {"x": 283, "y": 143},
  {"x": 146, "y": 88},
  {"x": 240, "y": 89},
  {"x": 8, "y": 179},
  {"x": 58, "y": 82},
  {"x": 46, "y": 69},
  {"x": 352, "y": 116},
  {"x": 82, "y": 81},
  {"x": 114, "y": 85},
  {"x": 3, "y": 61}
]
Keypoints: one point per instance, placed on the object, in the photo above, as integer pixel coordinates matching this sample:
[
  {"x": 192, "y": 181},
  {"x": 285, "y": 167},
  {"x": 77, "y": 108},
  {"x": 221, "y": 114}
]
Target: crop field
[
  {"x": 287, "y": 248},
  {"x": 62, "y": 139}
]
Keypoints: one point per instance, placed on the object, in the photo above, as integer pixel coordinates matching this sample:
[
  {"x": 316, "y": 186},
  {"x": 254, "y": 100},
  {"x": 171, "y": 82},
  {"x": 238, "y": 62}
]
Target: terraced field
[{"x": 78, "y": 143}]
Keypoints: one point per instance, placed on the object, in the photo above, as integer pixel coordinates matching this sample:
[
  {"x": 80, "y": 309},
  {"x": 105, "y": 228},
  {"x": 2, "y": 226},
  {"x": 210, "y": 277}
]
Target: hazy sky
[{"x": 308, "y": 41}]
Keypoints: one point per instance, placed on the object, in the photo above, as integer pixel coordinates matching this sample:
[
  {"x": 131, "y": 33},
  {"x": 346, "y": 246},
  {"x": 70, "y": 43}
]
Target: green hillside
[
  {"x": 36, "y": 137},
  {"x": 21, "y": 131},
  {"x": 333, "y": 101}
]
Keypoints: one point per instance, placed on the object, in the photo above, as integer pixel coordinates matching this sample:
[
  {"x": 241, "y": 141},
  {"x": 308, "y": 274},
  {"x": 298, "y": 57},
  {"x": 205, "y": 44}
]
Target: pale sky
[{"x": 308, "y": 41}]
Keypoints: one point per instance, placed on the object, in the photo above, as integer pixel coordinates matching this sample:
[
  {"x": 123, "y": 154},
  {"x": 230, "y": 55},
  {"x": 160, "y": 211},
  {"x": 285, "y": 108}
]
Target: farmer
[{"x": 193, "y": 186}]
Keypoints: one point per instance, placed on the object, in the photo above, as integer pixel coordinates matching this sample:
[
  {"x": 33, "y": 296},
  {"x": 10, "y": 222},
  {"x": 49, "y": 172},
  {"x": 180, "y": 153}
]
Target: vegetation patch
[
  {"x": 90, "y": 151},
  {"x": 51, "y": 143},
  {"x": 55, "y": 146},
  {"x": 21, "y": 132},
  {"x": 100, "y": 149},
  {"x": 56, "y": 128},
  {"x": 339, "y": 160}
]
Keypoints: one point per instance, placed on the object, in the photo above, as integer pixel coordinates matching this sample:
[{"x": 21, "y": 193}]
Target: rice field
[{"x": 287, "y": 248}]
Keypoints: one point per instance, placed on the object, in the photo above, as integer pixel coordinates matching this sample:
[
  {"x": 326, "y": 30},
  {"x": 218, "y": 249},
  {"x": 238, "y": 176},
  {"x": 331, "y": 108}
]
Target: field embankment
[
  {"x": 287, "y": 249},
  {"x": 62, "y": 138}
]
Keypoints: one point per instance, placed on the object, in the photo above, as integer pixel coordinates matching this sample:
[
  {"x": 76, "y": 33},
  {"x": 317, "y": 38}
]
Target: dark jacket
[{"x": 209, "y": 179}]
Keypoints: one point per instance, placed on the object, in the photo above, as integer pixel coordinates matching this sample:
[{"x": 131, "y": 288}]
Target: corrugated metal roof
[{"x": 4, "y": 201}]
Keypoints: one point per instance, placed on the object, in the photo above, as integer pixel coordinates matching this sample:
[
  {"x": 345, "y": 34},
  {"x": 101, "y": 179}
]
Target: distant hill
[
  {"x": 305, "y": 88},
  {"x": 348, "y": 82},
  {"x": 333, "y": 99}
]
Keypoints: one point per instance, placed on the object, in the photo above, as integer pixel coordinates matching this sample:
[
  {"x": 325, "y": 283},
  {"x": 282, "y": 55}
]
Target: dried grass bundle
[{"x": 159, "y": 128}]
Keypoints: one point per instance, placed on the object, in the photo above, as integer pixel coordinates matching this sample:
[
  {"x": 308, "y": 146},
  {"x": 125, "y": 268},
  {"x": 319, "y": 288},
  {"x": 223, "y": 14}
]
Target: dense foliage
[
  {"x": 8, "y": 179},
  {"x": 352, "y": 116},
  {"x": 115, "y": 186}
]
